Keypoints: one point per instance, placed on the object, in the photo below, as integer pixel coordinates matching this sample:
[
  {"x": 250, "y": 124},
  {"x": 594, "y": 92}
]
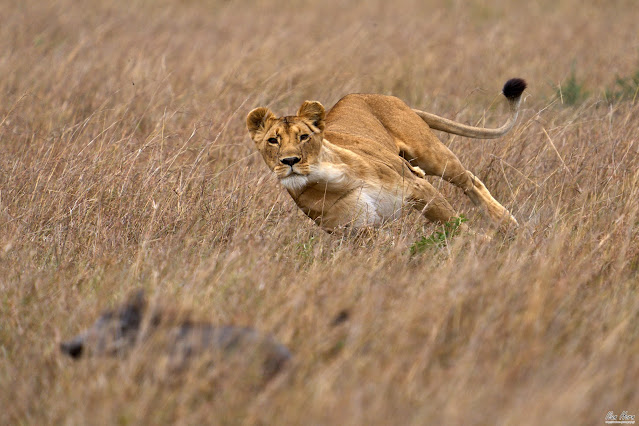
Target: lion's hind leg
[
  {"x": 435, "y": 159},
  {"x": 480, "y": 195},
  {"x": 424, "y": 197}
]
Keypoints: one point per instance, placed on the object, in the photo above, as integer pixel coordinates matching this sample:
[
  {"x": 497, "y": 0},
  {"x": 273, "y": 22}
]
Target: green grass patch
[
  {"x": 624, "y": 89},
  {"x": 440, "y": 237},
  {"x": 572, "y": 91}
]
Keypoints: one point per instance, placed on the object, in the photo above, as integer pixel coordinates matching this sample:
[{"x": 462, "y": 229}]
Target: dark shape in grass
[{"x": 119, "y": 331}]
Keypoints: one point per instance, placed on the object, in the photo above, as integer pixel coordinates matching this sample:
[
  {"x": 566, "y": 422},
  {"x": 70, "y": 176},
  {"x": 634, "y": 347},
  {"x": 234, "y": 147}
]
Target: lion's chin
[{"x": 294, "y": 182}]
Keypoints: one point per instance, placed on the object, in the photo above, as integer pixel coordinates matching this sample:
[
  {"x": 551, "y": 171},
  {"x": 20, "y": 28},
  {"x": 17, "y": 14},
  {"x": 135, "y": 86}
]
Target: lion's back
[{"x": 354, "y": 122}]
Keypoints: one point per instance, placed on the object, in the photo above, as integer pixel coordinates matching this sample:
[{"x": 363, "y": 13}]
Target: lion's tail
[{"x": 512, "y": 91}]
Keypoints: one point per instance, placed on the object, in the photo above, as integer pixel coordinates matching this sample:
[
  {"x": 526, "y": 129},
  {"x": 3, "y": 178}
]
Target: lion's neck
[
  {"x": 331, "y": 169},
  {"x": 328, "y": 173},
  {"x": 337, "y": 191},
  {"x": 329, "y": 177},
  {"x": 329, "y": 153}
]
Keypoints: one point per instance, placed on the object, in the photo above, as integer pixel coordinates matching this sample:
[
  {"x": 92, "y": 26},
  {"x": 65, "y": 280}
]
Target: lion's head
[{"x": 290, "y": 145}]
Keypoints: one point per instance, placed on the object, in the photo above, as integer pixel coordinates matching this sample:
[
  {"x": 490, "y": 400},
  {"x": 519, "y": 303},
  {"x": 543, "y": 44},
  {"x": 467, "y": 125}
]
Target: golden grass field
[{"x": 125, "y": 163}]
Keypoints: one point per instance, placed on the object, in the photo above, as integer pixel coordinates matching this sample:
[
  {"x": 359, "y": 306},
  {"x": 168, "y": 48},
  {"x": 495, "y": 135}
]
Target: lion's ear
[
  {"x": 256, "y": 120},
  {"x": 314, "y": 111}
]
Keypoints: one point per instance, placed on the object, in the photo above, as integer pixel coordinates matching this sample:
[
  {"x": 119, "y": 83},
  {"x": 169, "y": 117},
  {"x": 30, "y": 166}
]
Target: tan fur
[{"x": 366, "y": 159}]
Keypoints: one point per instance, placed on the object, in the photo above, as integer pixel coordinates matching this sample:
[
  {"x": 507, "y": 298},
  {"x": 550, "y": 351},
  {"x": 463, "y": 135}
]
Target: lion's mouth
[
  {"x": 294, "y": 178},
  {"x": 294, "y": 181},
  {"x": 289, "y": 171}
]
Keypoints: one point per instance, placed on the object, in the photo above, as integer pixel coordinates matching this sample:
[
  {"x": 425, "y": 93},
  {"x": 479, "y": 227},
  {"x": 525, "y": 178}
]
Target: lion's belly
[
  {"x": 358, "y": 207},
  {"x": 374, "y": 206},
  {"x": 333, "y": 198}
]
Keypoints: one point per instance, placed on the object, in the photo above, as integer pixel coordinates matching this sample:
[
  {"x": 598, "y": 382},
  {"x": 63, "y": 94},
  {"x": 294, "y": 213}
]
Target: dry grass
[{"x": 125, "y": 163}]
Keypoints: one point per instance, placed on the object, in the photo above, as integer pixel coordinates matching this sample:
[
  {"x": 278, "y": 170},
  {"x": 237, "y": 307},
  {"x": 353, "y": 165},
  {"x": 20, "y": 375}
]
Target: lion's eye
[
  {"x": 272, "y": 141},
  {"x": 303, "y": 137}
]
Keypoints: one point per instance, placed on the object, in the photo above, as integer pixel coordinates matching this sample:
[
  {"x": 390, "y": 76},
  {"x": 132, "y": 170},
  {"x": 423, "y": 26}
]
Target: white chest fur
[
  {"x": 376, "y": 206},
  {"x": 362, "y": 203}
]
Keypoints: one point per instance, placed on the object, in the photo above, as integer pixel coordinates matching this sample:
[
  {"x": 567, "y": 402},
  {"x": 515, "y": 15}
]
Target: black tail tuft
[{"x": 514, "y": 88}]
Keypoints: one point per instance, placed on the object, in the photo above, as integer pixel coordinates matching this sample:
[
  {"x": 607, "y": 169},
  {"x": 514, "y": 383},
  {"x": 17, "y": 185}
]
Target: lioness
[{"x": 358, "y": 164}]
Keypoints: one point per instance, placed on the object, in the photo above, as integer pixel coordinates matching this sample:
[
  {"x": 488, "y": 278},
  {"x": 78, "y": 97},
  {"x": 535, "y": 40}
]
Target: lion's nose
[{"x": 289, "y": 161}]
